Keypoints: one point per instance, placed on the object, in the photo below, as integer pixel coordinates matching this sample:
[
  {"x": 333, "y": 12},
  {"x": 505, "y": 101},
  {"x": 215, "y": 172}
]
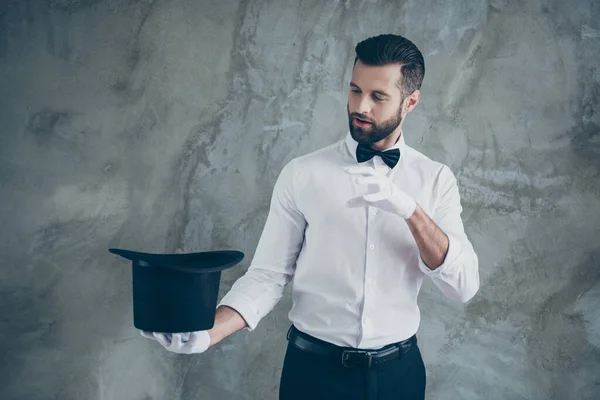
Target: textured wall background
[{"x": 162, "y": 126}]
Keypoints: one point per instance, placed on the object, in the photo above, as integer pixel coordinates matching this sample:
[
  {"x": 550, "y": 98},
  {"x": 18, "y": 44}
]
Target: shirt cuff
[
  {"x": 454, "y": 252},
  {"x": 246, "y": 308}
]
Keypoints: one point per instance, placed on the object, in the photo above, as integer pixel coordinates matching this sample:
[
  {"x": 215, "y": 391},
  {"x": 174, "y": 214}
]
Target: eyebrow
[{"x": 374, "y": 91}]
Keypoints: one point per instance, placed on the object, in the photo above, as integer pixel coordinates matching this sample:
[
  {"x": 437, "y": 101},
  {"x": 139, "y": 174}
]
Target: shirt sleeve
[
  {"x": 256, "y": 293},
  {"x": 458, "y": 276}
]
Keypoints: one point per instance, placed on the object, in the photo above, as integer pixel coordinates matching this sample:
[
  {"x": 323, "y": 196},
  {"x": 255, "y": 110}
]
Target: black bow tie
[{"x": 365, "y": 152}]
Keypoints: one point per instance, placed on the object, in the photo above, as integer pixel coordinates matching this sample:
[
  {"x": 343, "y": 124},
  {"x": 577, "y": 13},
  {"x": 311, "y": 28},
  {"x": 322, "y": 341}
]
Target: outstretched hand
[{"x": 181, "y": 343}]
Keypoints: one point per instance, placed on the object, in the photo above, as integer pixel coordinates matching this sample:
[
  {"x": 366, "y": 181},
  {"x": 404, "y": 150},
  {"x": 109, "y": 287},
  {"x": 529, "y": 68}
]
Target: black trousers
[{"x": 308, "y": 376}]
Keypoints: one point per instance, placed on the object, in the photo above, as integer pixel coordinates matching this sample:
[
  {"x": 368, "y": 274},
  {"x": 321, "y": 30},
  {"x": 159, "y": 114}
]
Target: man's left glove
[
  {"x": 182, "y": 343},
  {"x": 387, "y": 196}
]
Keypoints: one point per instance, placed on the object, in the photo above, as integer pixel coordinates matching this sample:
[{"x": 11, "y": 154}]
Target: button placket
[
  {"x": 365, "y": 287},
  {"x": 368, "y": 284},
  {"x": 372, "y": 211}
]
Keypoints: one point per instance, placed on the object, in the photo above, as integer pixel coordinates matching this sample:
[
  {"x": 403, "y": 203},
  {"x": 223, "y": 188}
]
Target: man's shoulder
[
  {"x": 426, "y": 165},
  {"x": 319, "y": 155}
]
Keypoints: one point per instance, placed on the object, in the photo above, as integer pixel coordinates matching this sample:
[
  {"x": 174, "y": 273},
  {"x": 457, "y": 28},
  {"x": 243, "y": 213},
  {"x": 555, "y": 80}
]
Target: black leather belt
[{"x": 350, "y": 357}]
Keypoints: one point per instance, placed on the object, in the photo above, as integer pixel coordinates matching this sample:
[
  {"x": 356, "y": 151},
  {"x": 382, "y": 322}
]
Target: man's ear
[{"x": 411, "y": 101}]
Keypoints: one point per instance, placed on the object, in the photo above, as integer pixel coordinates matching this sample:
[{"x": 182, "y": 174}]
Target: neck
[{"x": 389, "y": 141}]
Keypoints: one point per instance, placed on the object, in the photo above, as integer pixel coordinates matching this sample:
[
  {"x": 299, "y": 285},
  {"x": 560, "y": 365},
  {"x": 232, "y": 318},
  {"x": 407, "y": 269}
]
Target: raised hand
[{"x": 387, "y": 196}]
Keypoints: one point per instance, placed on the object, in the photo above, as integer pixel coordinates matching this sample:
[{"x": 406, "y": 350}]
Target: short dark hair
[{"x": 394, "y": 49}]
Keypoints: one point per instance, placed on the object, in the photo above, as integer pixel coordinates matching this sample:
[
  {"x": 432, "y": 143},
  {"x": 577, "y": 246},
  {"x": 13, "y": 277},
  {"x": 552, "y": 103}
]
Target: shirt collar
[{"x": 352, "y": 144}]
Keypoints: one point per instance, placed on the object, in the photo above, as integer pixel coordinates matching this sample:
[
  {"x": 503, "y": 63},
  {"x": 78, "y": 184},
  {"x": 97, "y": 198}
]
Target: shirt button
[{"x": 372, "y": 246}]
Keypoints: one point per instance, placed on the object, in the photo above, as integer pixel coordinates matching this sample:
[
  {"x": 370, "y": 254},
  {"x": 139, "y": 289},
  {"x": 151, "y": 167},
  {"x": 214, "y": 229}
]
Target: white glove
[
  {"x": 182, "y": 343},
  {"x": 387, "y": 197}
]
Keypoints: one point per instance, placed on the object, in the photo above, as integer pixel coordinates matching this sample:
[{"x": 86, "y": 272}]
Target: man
[{"x": 358, "y": 225}]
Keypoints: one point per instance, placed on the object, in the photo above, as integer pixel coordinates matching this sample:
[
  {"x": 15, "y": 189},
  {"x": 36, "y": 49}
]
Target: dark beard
[{"x": 376, "y": 132}]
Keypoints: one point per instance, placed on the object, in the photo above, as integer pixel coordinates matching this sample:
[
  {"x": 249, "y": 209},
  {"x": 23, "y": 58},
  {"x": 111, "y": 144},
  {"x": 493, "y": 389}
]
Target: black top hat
[{"x": 177, "y": 292}]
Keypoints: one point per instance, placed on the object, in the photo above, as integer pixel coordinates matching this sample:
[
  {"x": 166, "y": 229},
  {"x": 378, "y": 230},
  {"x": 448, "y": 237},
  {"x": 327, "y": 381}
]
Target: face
[{"x": 376, "y": 107}]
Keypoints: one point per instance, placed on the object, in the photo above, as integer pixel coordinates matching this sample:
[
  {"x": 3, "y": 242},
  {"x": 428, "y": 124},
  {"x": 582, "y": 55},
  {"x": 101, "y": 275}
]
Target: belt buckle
[{"x": 346, "y": 356}]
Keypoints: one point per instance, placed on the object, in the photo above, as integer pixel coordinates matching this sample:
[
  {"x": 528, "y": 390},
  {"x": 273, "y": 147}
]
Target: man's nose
[{"x": 364, "y": 106}]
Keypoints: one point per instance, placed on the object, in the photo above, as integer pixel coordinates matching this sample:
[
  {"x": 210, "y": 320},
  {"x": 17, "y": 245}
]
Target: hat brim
[{"x": 200, "y": 262}]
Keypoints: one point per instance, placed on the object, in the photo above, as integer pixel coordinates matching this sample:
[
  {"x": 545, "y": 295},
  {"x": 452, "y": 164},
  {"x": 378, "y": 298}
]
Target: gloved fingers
[
  {"x": 371, "y": 180},
  {"x": 360, "y": 169},
  {"x": 192, "y": 339},
  {"x": 148, "y": 334},
  {"x": 161, "y": 339},
  {"x": 377, "y": 196},
  {"x": 185, "y": 336},
  {"x": 176, "y": 341},
  {"x": 183, "y": 343}
]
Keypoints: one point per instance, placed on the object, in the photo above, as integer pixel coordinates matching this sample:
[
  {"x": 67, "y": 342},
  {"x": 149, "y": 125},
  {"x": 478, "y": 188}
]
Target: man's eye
[
  {"x": 377, "y": 98},
  {"x": 355, "y": 91}
]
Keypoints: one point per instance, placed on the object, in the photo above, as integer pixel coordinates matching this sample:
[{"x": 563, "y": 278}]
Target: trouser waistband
[{"x": 350, "y": 357}]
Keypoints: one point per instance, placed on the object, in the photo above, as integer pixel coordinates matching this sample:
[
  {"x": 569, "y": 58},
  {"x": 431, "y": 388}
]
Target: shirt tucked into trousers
[
  {"x": 355, "y": 270},
  {"x": 308, "y": 376}
]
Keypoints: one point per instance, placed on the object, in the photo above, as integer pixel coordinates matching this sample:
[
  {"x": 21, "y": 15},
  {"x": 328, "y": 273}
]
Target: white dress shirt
[{"x": 355, "y": 271}]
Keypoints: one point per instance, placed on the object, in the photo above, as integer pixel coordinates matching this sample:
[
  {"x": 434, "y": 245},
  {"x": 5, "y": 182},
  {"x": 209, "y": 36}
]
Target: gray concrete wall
[{"x": 162, "y": 126}]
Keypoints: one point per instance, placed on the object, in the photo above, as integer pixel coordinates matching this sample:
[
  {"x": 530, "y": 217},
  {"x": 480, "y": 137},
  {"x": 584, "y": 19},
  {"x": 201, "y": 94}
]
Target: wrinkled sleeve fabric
[
  {"x": 458, "y": 276},
  {"x": 256, "y": 293}
]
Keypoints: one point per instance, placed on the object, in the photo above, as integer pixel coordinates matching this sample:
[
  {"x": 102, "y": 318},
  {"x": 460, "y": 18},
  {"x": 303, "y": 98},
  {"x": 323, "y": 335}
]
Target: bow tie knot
[{"x": 364, "y": 152}]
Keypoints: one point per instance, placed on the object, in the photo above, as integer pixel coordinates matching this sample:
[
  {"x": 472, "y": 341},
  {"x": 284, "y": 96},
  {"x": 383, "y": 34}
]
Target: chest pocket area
[{"x": 335, "y": 208}]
